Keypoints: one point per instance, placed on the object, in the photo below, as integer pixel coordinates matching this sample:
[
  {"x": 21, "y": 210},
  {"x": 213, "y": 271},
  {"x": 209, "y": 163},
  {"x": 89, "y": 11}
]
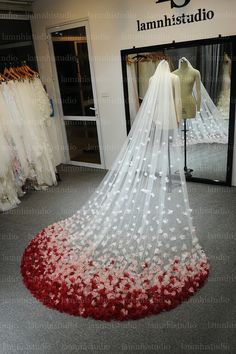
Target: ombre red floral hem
[{"x": 107, "y": 293}]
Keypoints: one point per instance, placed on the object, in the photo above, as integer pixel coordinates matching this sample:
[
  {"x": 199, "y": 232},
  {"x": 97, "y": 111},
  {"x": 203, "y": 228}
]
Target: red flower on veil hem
[{"x": 120, "y": 299}]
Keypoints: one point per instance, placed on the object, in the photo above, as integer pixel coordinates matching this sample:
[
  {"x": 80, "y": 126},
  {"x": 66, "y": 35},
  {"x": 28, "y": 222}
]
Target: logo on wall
[
  {"x": 173, "y": 4},
  {"x": 176, "y": 19}
]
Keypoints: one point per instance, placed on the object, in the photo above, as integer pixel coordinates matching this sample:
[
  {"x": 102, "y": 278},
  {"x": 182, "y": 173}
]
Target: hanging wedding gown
[
  {"x": 131, "y": 250},
  {"x": 224, "y": 99},
  {"x": 25, "y": 148},
  {"x": 39, "y": 149},
  {"x": 18, "y": 168},
  {"x": 132, "y": 91},
  {"x": 146, "y": 70},
  {"x": 8, "y": 190},
  {"x": 208, "y": 125}
]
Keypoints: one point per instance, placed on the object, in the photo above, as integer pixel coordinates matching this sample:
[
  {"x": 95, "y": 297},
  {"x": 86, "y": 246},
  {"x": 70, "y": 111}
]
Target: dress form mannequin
[
  {"x": 188, "y": 77},
  {"x": 177, "y": 96}
]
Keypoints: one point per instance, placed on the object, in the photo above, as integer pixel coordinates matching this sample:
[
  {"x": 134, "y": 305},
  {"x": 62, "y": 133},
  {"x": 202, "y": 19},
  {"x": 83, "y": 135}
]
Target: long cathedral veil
[
  {"x": 209, "y": 125},
  {"x": 131, "y": 250}
]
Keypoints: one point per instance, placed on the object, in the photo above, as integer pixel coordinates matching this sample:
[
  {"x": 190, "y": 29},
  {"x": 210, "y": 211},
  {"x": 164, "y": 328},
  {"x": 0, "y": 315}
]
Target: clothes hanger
[
  {"x": 16, "y": 69},
  {"x": 10, "y": 72},
  {"x": 4, "y": 77},
  {"x": 128, "y": 61},
  {"x": 145, "y": 58},
  {"x": 10, "y": 76},
  {"x": 23, "y": 73},
  {"x": 138, "y": 57},
  {"x": 14, "y": 72},
  {"x": 29, "y": 70}
]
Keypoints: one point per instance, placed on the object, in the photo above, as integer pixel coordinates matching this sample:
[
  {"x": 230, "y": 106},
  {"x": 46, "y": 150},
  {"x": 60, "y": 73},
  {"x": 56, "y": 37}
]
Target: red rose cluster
[{"x": 104, "y": 294}]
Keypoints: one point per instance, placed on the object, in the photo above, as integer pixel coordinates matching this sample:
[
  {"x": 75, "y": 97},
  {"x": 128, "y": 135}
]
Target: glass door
[{"x": 76, "y": 93}]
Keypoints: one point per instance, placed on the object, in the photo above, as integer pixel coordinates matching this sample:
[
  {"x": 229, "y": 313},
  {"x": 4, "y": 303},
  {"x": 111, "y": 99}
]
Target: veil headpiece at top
[{"x": 131, "y": 250}]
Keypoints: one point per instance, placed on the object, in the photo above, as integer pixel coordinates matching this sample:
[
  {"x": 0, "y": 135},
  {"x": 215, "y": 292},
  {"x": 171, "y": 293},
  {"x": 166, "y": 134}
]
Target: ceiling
[{"x": 17, "y": 5}]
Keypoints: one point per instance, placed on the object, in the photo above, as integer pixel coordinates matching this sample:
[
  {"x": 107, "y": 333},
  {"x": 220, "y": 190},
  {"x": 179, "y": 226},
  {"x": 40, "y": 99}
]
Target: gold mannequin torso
[{"x": 188, "y": 76}]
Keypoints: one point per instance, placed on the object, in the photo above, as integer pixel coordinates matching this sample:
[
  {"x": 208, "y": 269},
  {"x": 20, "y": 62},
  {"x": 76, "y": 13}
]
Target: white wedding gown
[
  {"x": 8, "y": 190},
  {"x": 131, "y": 250},
  {"x": 224, "y": 99},
  {"x": 24, "y": 119}
]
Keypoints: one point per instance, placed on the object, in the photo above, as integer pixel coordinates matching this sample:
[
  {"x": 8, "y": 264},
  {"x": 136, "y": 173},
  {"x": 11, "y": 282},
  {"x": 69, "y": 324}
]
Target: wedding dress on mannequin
[
  {"x": 131, "y": 250},
  {"x": 224, "y": 99},
  {"x": 207, "y": 126}
]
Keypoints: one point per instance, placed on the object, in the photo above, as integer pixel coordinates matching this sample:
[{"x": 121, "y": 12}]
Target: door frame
[{"x": 96, "y": 118}]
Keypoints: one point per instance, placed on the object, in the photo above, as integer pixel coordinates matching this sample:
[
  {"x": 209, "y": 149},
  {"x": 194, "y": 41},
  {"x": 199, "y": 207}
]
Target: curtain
[
  {"x": 133, "y": 91},
  {"x": 210, "y": 59}
]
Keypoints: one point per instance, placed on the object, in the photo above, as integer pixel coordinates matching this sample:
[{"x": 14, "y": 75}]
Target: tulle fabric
[
  {"x": 26, "y": 151},
  {"x": 39, "y": 148},
  {"x": 131, "y": 250},
  {"x": 8, "y": 190},
  {"x": 208, "y": 126}
]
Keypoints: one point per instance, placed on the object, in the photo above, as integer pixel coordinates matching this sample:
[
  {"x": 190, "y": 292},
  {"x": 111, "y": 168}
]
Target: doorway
[{"x": 74, "y": 78}]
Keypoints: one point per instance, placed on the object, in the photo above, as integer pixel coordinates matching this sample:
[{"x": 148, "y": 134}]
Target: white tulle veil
[
  {"x": 144, "y": 195},
  {"x": 134, "y": 235}
]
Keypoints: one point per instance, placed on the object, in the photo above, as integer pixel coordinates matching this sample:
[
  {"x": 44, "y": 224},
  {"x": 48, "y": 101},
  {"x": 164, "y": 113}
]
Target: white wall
[{"x": 113, "y": 27}]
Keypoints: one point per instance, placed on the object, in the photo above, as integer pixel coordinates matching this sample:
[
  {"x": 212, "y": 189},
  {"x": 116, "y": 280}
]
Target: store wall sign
[
  {"x": 173, "y": 4},
  {"x": 168, "y": 21}
]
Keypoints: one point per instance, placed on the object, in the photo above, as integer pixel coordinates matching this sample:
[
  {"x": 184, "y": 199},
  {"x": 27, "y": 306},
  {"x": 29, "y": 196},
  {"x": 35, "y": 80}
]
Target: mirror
[{"x": 206, "y": 127}]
